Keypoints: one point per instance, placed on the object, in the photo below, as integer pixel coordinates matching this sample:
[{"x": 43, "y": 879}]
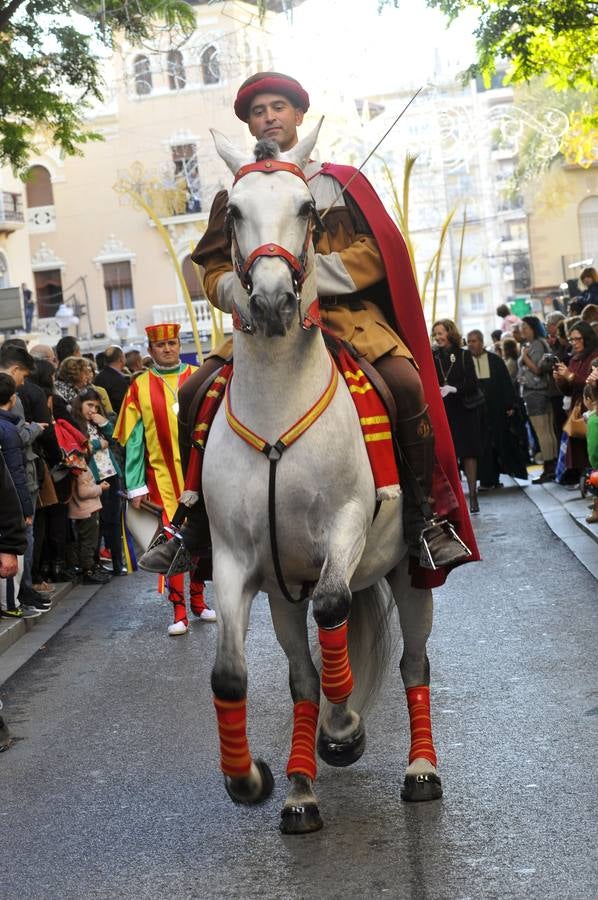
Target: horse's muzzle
[{"x": 273, "y": 315}]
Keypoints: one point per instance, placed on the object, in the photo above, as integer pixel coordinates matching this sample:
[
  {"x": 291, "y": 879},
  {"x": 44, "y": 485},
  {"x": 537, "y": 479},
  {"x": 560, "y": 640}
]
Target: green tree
[
  {"x": 577, "y": 145},
  {"x": 555, "y": 38},
  {"x": 50, "y": 64}
]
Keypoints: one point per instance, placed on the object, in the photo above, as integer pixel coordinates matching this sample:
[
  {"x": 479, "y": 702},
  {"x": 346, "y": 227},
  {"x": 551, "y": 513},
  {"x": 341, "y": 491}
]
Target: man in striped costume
[{"x": 148, "y": 429}]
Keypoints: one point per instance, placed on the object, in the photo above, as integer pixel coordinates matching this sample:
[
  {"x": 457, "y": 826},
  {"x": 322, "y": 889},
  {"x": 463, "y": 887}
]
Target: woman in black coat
[{"x": 458, "y": 380}]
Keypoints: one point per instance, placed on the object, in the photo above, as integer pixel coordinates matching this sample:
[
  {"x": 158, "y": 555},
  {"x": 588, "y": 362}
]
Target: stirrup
[
  {"x": 433, "y": 538},
  {"x": 162, "y": 535},
  {"x": 182, "y": 560}
]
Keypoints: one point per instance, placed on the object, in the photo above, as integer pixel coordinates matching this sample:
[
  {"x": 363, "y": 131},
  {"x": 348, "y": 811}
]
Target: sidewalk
[
  {"x": 565, "y": 512},
  {"x": 20, "y": 639}
]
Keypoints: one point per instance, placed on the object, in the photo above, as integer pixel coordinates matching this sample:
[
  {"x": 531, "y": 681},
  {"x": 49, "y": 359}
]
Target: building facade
[
  {"x": 563, "y": 227},
  {"x": 94, "y": 246},
  {"x": 466, "y": 147},
  {"x": 15, "y": 265}
]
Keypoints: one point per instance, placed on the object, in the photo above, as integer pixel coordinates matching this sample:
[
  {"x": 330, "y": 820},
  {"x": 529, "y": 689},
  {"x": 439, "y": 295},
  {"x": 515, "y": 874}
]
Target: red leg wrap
[
  {"x": 302, "y": 760},
  {"x": 337, "y": 680},
  {"x": 422, "y": 745},
  {"x": 235, "y": 758},
  {"x": 176, "y": 586},
  {"x": 197, "y": 596}
]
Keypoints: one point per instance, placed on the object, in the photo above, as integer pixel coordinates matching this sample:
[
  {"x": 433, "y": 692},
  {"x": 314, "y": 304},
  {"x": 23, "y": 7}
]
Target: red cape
[{"x": 411, "y": 325}]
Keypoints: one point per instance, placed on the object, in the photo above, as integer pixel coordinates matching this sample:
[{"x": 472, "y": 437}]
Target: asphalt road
[{"x": 112, "y": 788}]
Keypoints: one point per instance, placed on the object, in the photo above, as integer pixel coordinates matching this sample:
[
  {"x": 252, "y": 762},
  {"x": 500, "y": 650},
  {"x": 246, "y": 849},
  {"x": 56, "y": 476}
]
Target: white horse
[{"x": 319, "y": 534}]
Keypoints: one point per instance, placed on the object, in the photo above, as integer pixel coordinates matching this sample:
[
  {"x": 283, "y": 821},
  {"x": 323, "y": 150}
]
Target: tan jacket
[{"x": 85, "y": 499}]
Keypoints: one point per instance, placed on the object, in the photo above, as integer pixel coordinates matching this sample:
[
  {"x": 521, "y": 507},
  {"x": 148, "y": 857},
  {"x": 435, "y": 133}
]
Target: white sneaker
[
  {"x": 177, "y": 628},
  {"x": 207, "y": 615}
]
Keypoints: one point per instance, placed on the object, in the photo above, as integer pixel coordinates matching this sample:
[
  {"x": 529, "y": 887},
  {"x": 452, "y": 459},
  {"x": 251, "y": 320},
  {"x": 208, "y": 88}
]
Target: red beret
[{"x": 269, "y": 83}]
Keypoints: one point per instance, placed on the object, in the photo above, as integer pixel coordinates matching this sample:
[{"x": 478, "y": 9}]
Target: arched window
[
  {"x": 3, "y": 271},
  {"x": 210, "y": 65},
  {"x": 588, "y": 227},
  {"x": 192, "y": 280},
  {"x": 143, "y": 75},
  {"x": 38, "y": 187},
  {"x": 177, "y": 78}
]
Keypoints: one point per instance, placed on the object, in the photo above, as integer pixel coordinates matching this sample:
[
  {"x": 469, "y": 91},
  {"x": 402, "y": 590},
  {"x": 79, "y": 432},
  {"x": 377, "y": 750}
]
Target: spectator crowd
[
  {"x": 61, "y": 468},
  {"x": 529, "y": 396}
]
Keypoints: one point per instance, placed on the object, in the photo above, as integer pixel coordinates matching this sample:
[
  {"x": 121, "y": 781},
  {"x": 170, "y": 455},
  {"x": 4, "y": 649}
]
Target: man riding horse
[{"x": 368, "y": 299}]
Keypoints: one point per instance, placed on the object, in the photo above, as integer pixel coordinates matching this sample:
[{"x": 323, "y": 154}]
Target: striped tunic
[{"x": 148, "y": 428}]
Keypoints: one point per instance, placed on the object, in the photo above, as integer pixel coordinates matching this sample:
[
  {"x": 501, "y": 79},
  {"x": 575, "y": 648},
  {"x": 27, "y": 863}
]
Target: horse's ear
[
  {"x": 300, "y": 153},
  {"x": 232, "y": 156}
]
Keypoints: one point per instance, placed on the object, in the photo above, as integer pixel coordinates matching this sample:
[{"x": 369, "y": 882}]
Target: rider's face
[
  {"x": 166, "y": 353},
  {"x": 274, "y": 116}
]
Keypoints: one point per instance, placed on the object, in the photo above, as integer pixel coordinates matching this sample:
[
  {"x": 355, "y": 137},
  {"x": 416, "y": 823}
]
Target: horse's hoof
[
  {"x": 300, "y": 819},
  {"x": 419, "y": 788},
  {"x": 242, "y": 793},
  {"x": 342, "y": 754}
]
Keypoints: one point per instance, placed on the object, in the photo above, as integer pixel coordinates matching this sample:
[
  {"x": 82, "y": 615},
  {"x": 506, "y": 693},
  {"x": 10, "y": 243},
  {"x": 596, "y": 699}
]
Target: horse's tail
[{"x": 372, "y": 642}]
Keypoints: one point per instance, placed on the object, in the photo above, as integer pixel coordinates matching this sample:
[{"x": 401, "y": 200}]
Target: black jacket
[
  {"x": 115, "y": 384},
  {"x": 14, "y": 457},
  {"x": 13, "y": 536}
]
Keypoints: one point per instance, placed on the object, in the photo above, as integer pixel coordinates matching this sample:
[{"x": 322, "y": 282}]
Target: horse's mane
[{"x": 266, "y": 149}]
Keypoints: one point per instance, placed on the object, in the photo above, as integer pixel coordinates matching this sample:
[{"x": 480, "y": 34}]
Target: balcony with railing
[
  {"x": 203, "y": 316},
  {"x": 11, "y": 212}
]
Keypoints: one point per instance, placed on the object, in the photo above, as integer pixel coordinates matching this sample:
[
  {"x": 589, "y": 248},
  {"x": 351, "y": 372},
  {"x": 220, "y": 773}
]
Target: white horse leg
[
  {"x": 415, "y": 614},
  {"x": 341, "y": 741},
  {"x": 300, "y": 813},
  {"x": 246, "y": 780}
]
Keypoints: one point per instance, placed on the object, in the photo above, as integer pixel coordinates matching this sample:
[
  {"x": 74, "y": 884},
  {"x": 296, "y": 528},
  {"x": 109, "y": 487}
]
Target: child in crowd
[
  {"x": 83, "y": 510},
  {"x": 590, "y": 399},
  {"x": 88, "y": 413},
  {"x": 14, "y": 457}
]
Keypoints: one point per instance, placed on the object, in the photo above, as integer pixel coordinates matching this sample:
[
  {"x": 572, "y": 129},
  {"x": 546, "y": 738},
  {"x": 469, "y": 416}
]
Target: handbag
[
  {"x": 47, "y": 492},
  {"x": 575, "y": 426}
]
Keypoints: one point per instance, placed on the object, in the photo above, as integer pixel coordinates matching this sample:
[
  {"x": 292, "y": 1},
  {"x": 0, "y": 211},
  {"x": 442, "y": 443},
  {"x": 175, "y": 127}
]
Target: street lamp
[{"x": 65, "y": 318}]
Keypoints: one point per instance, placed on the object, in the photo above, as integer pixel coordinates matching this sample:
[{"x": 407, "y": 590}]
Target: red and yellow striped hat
[{"x": 165, "y": 331}]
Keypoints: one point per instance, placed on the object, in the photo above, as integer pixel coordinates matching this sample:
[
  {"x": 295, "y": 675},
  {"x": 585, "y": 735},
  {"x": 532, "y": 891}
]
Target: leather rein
[{"x": 296, "y": 264}]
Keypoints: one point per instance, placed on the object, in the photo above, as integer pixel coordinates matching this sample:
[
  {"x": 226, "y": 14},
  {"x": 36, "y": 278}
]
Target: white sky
[{"x": 346, "y": 44}]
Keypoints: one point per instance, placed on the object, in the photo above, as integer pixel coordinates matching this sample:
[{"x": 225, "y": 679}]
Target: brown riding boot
[
  {"x": 593, "y": 517},
  {"x": 434, "y": 543}
]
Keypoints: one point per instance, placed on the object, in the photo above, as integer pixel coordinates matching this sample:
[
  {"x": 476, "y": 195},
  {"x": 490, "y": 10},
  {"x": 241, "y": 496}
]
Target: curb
[
  {"x": 20, "y": 639},
  {"x": 564, "y": 512}
]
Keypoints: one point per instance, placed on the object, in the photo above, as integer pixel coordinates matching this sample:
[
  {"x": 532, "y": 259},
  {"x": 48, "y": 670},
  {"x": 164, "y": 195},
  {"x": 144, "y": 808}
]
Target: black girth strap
[{"x": 274, "y": 454}]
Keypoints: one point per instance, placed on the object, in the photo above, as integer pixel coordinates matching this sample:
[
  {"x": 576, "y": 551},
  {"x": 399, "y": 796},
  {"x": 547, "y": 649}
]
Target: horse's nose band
[{"x": 296, "y": 264}]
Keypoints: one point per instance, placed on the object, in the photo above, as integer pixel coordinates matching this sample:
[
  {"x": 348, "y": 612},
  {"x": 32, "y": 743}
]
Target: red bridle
[{"x": 295, "y": 264}]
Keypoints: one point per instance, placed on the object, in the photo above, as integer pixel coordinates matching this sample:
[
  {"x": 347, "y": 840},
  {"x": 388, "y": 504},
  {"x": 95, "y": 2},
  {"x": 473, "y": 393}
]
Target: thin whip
[{"x": 371, "y": 153}]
